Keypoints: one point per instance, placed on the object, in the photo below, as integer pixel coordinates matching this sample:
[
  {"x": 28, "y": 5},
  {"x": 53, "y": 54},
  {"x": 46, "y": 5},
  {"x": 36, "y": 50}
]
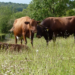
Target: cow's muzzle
[
  {"x": 38, "y": 36},
  {"x": 34, "y": 31}
]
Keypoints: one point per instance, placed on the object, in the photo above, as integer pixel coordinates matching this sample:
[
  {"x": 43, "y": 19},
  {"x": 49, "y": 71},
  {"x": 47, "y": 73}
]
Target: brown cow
[
  {"x": 24, "y": 27},
  {"x": 52, "y": 26}
]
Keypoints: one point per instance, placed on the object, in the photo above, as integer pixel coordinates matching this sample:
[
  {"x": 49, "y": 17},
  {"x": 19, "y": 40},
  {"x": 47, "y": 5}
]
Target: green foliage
[
  {"x": 18, "y": 15},
  {"x": 46, "y": 8},
  {"x": 2, "y": 37},
  {"x": 16, "y": 6},
  {"x": 5, "y": 14},
  {"x": 70, "y": 12},
  {"x": 37, "y": 9},
  {"x": 8, "y": 13},
  {"x": 13, "y": 17}
]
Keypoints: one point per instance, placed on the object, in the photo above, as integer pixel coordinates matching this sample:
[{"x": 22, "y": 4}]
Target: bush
[
  {"x": 2, "y": 37},
  {"x": 70, "y": 12}
]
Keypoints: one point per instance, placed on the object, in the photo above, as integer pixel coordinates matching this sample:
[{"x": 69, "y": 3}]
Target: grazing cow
[
  {"x": 51, "y": 26},
  {"x": 41, "y": 31},
  {"x": 24, "y": 27}
]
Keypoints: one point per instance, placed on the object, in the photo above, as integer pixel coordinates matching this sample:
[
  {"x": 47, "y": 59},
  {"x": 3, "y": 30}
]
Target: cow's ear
[
  {"x": 41, "y": 26},
  {"x": 47, "y": 29},
  {"x": 27, "y": 22}
]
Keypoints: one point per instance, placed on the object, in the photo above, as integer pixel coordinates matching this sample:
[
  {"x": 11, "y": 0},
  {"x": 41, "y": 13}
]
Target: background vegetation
[
  {"x": 37, "y": 10},
  {"x": 16, "y": 6},
  {"x": 55, "y": 59}
]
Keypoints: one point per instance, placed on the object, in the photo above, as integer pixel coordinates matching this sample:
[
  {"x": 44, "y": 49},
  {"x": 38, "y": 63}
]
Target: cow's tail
[{"x": 11, "y": 30}]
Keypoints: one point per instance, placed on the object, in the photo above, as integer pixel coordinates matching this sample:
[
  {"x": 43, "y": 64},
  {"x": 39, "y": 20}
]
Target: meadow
[{"x": 54, "y": 59}]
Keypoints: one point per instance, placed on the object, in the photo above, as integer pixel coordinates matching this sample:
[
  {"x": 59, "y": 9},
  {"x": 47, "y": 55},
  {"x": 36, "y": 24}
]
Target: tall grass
[{"x": 54, "y": 59}]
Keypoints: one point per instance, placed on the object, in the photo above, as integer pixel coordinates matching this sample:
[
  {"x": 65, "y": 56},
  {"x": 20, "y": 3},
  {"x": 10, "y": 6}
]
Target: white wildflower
[
  {"x": 8, "y": 71},
  {"x": 2, "y": 65},
  {"x": 11, "y": 66},
  {"x": 5, "y": 74},
  {"x": 37, "y": 50}
]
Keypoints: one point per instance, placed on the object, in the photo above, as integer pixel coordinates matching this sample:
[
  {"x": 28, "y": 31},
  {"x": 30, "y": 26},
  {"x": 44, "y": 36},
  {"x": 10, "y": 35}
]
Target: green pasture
[{"x": 54, "y": 59}]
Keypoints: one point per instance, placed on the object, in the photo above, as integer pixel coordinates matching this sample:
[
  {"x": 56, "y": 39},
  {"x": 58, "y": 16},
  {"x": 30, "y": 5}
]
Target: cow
[
  {"x": 24, "y": 27},
  {"x": 52, "y": 26},
  {"x": 41, "y": 31}
]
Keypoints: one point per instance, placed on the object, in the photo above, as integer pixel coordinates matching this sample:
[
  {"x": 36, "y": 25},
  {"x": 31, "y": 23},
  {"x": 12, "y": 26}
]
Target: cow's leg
[
  {"x": 32, "y": 36},
  {"x": 63, "y": 34},
  {"x": 54, "y": 36},
  {"x": 21, "y": 41},
  {"x": 46, "y": 38},
  {"x": 50, "y": 35},
  {"x": 26, "y": 41},
  {"x": 15, "y": 40},
  {"x": 24, "y": 37},
  {"x": 47, "y": 42},
  {"x": 74, "y": 37}
]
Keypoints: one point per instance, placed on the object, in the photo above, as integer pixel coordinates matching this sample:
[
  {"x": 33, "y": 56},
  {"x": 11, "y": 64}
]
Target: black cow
[
  {"x": 41, "y": 31},
  {"x": 61, "y": 26}
]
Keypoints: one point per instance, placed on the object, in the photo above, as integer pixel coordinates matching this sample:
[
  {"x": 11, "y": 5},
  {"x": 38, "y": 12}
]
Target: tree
[
  {"x": 70, "y": 12},
  {"x": 5, "y": 13},
  {"x": 40, "y": 9}
]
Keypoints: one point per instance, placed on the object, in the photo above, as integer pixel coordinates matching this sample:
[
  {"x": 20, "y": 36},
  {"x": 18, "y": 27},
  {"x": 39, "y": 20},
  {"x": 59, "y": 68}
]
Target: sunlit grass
[{"x": 54, "y": 59}]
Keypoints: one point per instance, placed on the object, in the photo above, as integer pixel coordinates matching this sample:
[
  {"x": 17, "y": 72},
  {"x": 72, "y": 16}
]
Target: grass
[
  {"x": 2, "y": 34},
  {"x": 54, "y": 59}
]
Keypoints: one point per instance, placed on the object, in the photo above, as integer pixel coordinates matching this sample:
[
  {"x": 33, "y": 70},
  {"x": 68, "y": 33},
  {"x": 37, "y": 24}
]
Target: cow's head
[
  {"x": 42, "y": 31},
  {"x": 33, "y": 25},
  {"x": 39, "y": 31}
]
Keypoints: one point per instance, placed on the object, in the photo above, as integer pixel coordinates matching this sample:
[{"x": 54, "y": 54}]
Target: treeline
[
  {"x": 37, "y": 9},
  {"x": 16, "y": 6}
]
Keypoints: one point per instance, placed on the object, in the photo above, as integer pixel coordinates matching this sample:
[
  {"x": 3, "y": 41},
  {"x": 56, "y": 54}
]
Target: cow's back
[
  {"x": 19, "y": 25},
  {"x": 56, "y": 23}
]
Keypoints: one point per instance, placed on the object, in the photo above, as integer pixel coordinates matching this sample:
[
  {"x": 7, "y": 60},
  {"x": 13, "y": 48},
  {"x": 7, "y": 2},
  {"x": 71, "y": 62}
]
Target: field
[{"x": 54, "y": 59}]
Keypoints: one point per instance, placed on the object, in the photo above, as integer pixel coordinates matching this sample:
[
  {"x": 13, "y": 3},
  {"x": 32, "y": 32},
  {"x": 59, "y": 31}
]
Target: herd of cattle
[{"x": 49, "y": 28}]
